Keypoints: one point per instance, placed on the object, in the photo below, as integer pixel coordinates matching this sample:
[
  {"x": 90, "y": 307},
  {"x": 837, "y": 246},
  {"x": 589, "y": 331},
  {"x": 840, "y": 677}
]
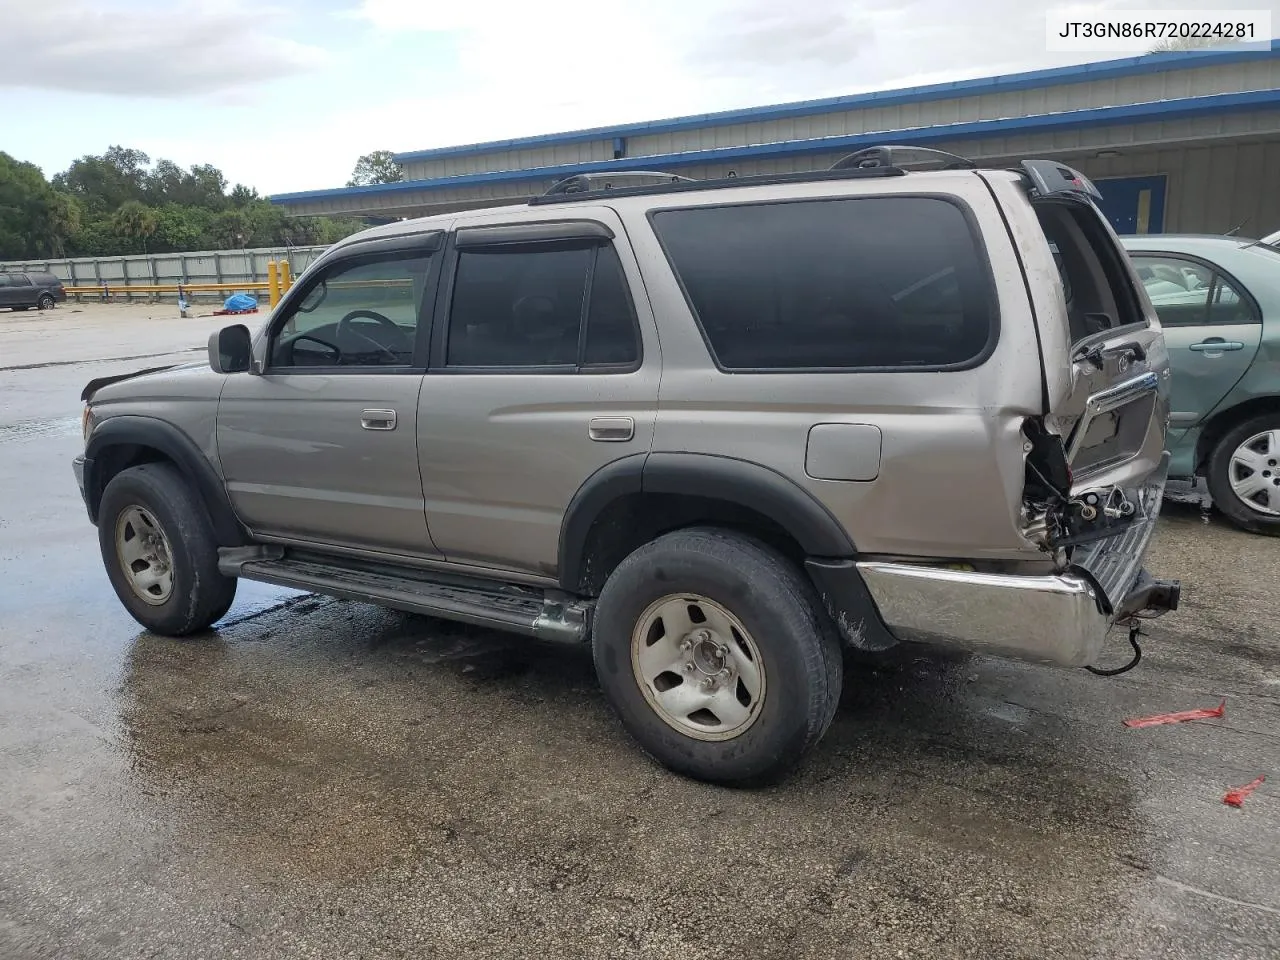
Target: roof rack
[
  {"x": 675, "y": 184},
  {"x": 902, "y": 157},
  {"x": 596, "y": 182}
]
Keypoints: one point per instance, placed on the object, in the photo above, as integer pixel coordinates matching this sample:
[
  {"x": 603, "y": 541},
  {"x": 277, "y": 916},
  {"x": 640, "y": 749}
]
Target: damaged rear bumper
[{"x": 1061, "y": 619}]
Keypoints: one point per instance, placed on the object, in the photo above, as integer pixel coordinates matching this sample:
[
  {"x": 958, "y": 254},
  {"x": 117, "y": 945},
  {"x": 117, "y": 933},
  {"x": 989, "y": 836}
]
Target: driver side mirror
[{"x": 230, "y": 349}]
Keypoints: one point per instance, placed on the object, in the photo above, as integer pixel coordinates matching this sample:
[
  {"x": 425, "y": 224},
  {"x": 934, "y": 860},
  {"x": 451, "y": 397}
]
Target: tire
[
  {"x": 46, "y": 302},
  {"x": 750, "y": 597},
  {"x": 143, "y": 502},
  {"x": 1257, "y": 440}
]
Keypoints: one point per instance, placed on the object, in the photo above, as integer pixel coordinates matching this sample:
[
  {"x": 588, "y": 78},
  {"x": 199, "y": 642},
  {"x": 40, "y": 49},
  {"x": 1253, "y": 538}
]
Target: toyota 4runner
[{"x": 714, "y": 429}]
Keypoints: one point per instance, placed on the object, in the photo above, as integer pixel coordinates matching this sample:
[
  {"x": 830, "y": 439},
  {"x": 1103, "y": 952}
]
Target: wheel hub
[
  {"x": 698, "y": 668},
  {"x": 143, "y": 553},
  {"x": 710, "y": 657},
  {"x": 1253, "y": 473}
]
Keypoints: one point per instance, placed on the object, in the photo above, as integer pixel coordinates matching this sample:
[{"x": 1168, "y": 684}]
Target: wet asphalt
[{"x": 318, "y": 778}]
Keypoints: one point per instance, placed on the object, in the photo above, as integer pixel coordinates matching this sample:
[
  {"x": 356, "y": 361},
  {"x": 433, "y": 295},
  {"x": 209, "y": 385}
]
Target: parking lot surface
[{"x": 325, "y": 779}]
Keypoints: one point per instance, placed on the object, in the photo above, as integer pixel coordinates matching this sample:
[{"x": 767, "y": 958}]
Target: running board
[{"x": 545, "y": 615}]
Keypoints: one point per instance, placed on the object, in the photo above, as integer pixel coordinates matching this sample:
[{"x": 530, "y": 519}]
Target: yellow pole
[
  {"x": 286, "y": 279},
  {"x": 273, "y": 283}
]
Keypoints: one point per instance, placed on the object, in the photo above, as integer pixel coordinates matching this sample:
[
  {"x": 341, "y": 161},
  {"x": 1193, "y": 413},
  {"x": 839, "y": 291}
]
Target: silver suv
[{"x": 718, "y": 430}]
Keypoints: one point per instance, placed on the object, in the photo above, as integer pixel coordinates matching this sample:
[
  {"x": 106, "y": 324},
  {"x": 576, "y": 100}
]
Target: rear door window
[
  {"x": 550, "y": 306},
  {"x": 1096, "y": 283},
  {"x": 1189, "y": 292},
  {"x": 863, "y": 283}
]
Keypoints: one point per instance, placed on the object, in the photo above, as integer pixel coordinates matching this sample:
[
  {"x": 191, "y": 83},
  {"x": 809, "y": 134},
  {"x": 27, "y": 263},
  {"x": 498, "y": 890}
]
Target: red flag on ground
[
  {"x": 1206, "y": 713},
  {"x": 1235, "y": 798}
]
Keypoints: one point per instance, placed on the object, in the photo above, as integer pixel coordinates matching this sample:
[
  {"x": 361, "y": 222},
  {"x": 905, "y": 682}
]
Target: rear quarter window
[{"x": 859, "y": 283}]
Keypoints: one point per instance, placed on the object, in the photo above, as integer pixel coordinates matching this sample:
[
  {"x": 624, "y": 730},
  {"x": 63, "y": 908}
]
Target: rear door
[
  {"x": 544, "y": 369},
  {"x": 1212, "y": 326}
]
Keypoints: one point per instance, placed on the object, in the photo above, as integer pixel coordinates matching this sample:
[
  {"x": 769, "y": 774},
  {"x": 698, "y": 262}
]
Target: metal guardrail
[{"x": 106, "y": 289}]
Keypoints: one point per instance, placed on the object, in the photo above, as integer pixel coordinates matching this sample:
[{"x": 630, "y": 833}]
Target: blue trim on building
[
  {"x": 1103, "y": 70},
  {"x": 977, "y": 129}
]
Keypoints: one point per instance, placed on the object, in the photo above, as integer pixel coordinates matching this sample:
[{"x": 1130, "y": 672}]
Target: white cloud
[{"x": 181, "y": 48}]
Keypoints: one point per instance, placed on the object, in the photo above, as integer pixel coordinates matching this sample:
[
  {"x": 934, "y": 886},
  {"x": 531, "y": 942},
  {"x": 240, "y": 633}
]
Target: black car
[{"x": 21, "y": 291}]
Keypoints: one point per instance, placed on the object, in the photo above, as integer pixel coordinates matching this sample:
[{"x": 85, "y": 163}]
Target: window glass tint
[
  {"x": 359, "y": 313},
  {"x": 876, "y": 282},
  {"x": 1186, "y": 292},
  {"x": 1096, "y": 286},
  {"x": 4, "y": 280},
  {"x": 611, "y": 325},
  {"x": 518, "y": 307}
]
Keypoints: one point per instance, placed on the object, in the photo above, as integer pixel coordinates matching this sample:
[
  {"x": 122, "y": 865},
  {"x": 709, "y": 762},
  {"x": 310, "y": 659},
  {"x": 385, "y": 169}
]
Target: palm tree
[{"x": 134, "y": 221}]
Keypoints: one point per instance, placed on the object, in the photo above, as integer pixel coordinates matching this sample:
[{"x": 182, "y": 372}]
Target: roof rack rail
[
  {"x": 593, "y": 182},
  {"x": 672, "y": 184},
  {"x": 898, "y": 156}
]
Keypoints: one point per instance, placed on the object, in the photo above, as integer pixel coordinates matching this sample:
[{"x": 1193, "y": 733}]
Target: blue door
[{"x": 1133, "y": 204}]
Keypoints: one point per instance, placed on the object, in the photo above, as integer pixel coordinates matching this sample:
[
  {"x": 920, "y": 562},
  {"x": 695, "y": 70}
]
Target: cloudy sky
[{"x": 285, "y": 94}]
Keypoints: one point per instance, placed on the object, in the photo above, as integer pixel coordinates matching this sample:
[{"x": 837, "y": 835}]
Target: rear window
[
  {"x": 863, "y": 283},
  {"x": 1096, "y": 283}
]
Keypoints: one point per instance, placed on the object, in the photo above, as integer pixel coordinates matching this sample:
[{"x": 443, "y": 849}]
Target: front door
[
  {"x": 320, "y": 445},
  {"x": 1212, "y": 327},
  {"x": 1134, "y": 205},
  {"x": 540, "y": 376}
]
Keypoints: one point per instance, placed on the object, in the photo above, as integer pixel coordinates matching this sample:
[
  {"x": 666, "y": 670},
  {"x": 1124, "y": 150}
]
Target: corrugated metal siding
[
  {"x": 1211, "y": 189},
  {"x": 1170, "y": 85}
]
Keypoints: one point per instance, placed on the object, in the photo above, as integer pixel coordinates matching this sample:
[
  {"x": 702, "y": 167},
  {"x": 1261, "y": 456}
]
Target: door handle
[
  {"x": 611, "y": 429},
  {"x": 1215, "y": 345},
  {"x": 378, "y": 419}
]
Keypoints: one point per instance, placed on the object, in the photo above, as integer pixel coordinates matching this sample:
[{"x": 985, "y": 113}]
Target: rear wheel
[
  {"x": 46, "y": 302},
  {"x": 1244, "y": 474},
  {"x": 715, "y": 652},
  {"x": 160, "y": 553}
]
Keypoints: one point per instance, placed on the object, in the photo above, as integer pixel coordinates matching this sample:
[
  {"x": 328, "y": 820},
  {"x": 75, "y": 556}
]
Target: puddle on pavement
[
  {"x": 341, "y": 744},
  {"x": 39, "y": 429}
]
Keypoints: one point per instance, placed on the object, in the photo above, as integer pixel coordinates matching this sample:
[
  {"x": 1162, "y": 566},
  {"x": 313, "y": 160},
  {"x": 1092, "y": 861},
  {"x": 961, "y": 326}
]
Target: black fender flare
[
  {"x": 177, "y": 447},
  {"x": 712, "y": 476}
]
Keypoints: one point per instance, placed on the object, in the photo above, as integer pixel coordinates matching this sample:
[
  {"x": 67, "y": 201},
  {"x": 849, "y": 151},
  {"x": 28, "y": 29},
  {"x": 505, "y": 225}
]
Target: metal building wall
[
  {"x": 1167, "y": 85},
  {"x": 1210, "y": 189}
]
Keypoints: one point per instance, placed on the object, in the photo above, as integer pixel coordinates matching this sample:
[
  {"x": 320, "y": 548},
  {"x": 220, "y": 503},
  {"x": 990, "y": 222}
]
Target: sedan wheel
[
  {"x": 1254, "y": 476},
  {"x": 1244, "y": 474}
]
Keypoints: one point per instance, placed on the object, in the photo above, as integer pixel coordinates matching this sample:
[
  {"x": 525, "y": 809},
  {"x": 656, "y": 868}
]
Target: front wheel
[
  {"x": 716, "y": 654},
  {"x": 1244, "y": 474},
  {"x": 160, "y": 552}
]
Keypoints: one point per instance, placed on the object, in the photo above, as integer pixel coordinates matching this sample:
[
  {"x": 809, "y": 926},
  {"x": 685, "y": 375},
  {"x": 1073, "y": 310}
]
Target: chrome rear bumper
[{"x": 1062, "y": 619}]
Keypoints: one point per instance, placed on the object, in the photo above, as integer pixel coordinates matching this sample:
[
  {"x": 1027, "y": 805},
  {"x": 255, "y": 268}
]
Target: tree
[
  {"x": 104, "y": 183},
  {"x": 118, "y": 203},
  {"x": 377, "y": 167},
  {"x": 230, "y": 230},
  {"x": 1176, "y": 44},
  {"x": 34, "y": 221},
  {"x": 181, "y": 229},
  {"x": 134, "y": 223},
  {"x": 242, "y": 196}
]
